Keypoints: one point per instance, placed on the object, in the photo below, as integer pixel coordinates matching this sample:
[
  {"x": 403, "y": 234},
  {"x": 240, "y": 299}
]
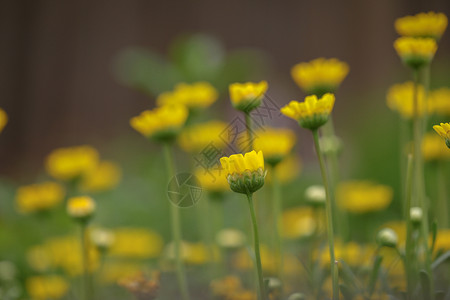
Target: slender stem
[
  {"x": 84, "y": 257},
  {"x": 262, "y": 294},
  {"x": 410, "y": 260},
  {"x": 277, "y": 211},
  {"x": 248, "y": 125},
  {"x": 442, "y": 196},
  {"x": 176, "y": 229},
  {"x": 329, "y": 213}
]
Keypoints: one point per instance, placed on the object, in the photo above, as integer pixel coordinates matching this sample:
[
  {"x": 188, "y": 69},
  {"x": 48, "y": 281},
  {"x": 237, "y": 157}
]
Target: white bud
[
  {"x": 316, "y": 195},
  {"x": 416, "y": 214},
  {"x": 230, "y": 238},
  {"x": 387, "y": 237}
]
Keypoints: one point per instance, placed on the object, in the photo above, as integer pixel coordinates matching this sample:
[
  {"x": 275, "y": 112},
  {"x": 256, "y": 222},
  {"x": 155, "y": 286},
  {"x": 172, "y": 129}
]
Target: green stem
[
  {"x": 176, "y": 229},
  {"x": 277, "y": 211},
  {"x": 248, "y": 125},
  {"x": 262, "y": 294},
  {"x": 442, "y": 196},
  {"x": 84, "y": 257},
  {"x": 329, "y": 213},
  {"x": 410, "y": 260}
]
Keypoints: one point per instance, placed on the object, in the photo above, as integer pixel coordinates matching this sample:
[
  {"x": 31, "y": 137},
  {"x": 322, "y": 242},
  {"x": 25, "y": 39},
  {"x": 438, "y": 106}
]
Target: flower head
[
  {"x": 196, "y": 95},
  {"x": 433, "y": 149},
  {"x": 444, "y": 131},
  {"x": 387, "y": 237},
  {"x": 320, "y": 76},
  {"x": 47, "y": 287},
  {"x": 102, "y": 238},
  {"x": 312, "y": 113},
  {"x": 71, "y": 163},
  {"x": 197, "y": 137},
  {"x": 161, "y": 123},
  {"x": 299, "y": 222},
  {"x": 400, "y": 97},
  {"x": 363, "y": 196},
  {"x": 245, "y": 173},
  {"x": 140, "y": 243},
  {"x": 104, "y": 177},
  {"x": 212, "y": 180},
  {"x": 81, "y": 207},
  {"x": 415, "y": 52},
  {"x": 39, "y": 197},
  {"x": 440, "y": 101},
  {"x": 247, "y": 96},
  {"x": 3, "y": 119},
  {"x": 429, "y": 24},
  {"x": 275, "y": 143}
]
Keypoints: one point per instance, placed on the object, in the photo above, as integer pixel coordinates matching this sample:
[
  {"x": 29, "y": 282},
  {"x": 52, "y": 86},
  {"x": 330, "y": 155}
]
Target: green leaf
[
  {"x": 374, "y": 274},
  {"x": 433, "y": 235},
  {"x": 425, "y": 282}
]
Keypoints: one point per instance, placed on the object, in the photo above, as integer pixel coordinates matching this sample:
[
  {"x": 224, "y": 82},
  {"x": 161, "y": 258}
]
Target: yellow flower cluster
[
  {"x": 312, "y": 113},
  {"x": 196, "y": 137},
  {"x": 300, "y": 222},
  {"x": 196, "y": 95},
  {"x": 212, "y": 180},
  {"x": 352, "y": 253},
  {"x": 3, "y": 119},
  {"x": 71, "y": 163},
  {"x": 105, "y": 176},
  {"x": 400, "y": 97},
  {"x": 136, "y": 243},
  {"x": 80, "y": 207},
  {"x": 193, "y": 253},
  {"x": 415, "y": 52},
  {"x": 162, "y": 122},
  {"x": 239, "y": 164},
  {"x": 39, "y": 197},
  {"x": 440, "y": 101},
  {"x": 443, "y": 240},
  {"x": 320, "y": 75},
  {"x": 429, "y": 24},
  {"x": 363, "y": 196},
  {"x": 115, "y": 270},
  {"x": 288, "y": 169},
  {"x": 444, "y": 131},
  {"x": 247, "y": 96},
  {"x": 47, "y": 287},
  {"x": 275, "y": 143},
  {"x": 230, "y": 288},
  {"x": 433, "y": 149}
]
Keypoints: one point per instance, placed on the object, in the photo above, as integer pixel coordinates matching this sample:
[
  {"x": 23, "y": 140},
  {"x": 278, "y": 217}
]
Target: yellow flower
[
  {"x": 400, "y": 98},
  {"x": 287, "y": 170},
  {"x": 415, "y": 52},
  {"x": 161, "y": 123},
  {"x": 443, "y": 240},
  {"x": 136, "y": 243},
  {"x": 81, "y": 207},
  {"x": 197, "y": 137},
  {"x": 440, "y": 101},
  {"x": 245, "y": 173},
  {"x": 200, "y": 253},
  {"x": 199, "y": 94},
  {"x": 39, "y": 197},
  {"x": 3, "y": 119},
  {"x": 247, "y": 96},
  {"x": 363, "y": 196},
  {"x": 320, "y": 76},
  {"x": 104, "y": 177},
  {"x": 212, "y": 180},
  {"x": 312, "y": 113},
  {"x": 275, "y": 143},
  {"x": 433, "y": 149},
  {"x": 429, "y": 24},
  {"x": 299, "y": 222},
  {"x": 47, "y": 287},
  {"x": 444, "y": 131},
  {"x": 70, "y": 163},
  {"x": 116, "y": 270}
]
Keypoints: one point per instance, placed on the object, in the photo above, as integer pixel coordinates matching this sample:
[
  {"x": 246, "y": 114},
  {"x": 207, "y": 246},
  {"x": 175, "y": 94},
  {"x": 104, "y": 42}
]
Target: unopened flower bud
[
  {"x": 315, "y": 195},
  {"x": 416, "y": 214},
  {"x": 387, "y": 238}
]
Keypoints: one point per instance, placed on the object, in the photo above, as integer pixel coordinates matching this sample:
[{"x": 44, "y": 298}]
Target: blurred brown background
[{"x": 58, "y": 88}]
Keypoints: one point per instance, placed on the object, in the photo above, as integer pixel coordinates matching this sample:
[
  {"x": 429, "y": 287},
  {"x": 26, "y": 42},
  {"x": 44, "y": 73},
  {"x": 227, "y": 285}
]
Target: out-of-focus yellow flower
[
  {"x": 429, "y": 24},
  {"x": 444, "y": 131},
  {"x": 39, "y": 197},
  {"x": 62, "y": 253},
  {"x": 72, "y": 162},
  {"x": 312, "y": 113},
  {"x": 197, "y": 137},
  {"x": 440, "y": 101},
  {"x": 400, "y": 98},
  {"x": 212, "y": 180},
  {"x": 3, "y": 119},
  {"x": 200, "y": 253},
  {"x": 320, "y": 76},
  {"x": 136, "y": 243},
  {"x": 287, "y": 170},
  {"x": 161, "y": 123},
  {"x": 247, "y": 96},
  {"x": 363, "y": 196},
  {"x": 245, "y": 173},
  {"x": 351, "y": 253},
  {"x": 415, "y": 52},
  {"x": 443, "y": 240},
  {"x": 81, "y": 207},
  {"x": 113, "y": 271},
  {"x": 433, "y": 149},
  {"x": 196, "y": 95},
  {"x": 46, "y": 287},
  {"x": 104, "y": 177},
  {"x": 142, "y": 287},
  {"x": 299, "y": 222},
  {"x": 275, "y": 143},
  {"x": 230, "y": 288}
]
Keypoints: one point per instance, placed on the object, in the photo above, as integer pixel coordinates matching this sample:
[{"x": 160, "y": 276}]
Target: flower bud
[
  {"x": 315, "y": 195},
  {"x": 387, "y": 238},
  {"x": 416, "y": 215}
]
